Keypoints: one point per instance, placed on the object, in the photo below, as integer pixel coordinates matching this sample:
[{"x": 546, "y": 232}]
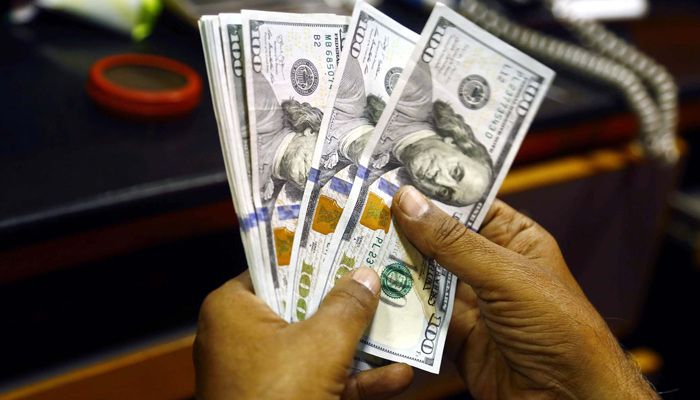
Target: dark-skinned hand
[
  {"x": 522, "y": 328},
  {"x": 243, "y": 350}
]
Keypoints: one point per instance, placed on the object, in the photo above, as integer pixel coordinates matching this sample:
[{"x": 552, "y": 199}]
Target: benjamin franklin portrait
[
  {"x": 433, "y": 146},
  {"x": 437, "y": 149}
]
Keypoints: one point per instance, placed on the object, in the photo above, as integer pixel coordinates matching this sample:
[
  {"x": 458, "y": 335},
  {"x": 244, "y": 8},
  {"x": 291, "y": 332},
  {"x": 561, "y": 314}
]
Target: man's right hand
[{"x": 522, "y": 328}]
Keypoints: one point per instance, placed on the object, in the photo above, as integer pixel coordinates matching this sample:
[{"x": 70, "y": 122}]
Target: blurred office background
[{"x": 112, "y": 230}]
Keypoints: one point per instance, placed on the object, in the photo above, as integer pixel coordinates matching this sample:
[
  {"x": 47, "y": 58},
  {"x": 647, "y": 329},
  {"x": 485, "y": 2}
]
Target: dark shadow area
[{"x": 62, "y": 317}]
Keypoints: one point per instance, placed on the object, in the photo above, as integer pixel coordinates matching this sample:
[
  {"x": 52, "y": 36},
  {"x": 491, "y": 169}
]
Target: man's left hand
[{"x": 243, "y": 350}]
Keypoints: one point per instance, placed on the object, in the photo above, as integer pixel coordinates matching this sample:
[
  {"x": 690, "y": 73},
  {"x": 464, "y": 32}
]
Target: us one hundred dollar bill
[
  {"x": 370, "y": 65},
  {"x": 290, "y": 63},
  {"x": 363, "y": 362},
  {"x": 226, "y": 119},
  {"x": 452, "y": 128},
  {"x": 238, "y": 148}
]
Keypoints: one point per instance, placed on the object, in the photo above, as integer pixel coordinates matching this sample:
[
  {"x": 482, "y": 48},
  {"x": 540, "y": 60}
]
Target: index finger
[
  {"x": 246, "y": 281},
  {"x": 237, "y": 297},
  {"x": 508, "y": 228}
]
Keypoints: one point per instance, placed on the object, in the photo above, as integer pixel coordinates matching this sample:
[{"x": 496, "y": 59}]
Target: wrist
[{"x": 612, "y": 375}]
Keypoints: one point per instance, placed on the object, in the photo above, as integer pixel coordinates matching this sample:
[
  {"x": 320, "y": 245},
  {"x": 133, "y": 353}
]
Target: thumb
[
  {"x": 349, "y": 307},
  {"x": 474, "y": 259}
]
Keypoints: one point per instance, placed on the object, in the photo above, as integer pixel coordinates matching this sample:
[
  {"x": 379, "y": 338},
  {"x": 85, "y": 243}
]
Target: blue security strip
[
  {"x": 248, "y": 222},
  {"x": 288, "y": 212},
  {"x": 387, "y": 187},
  {"x": 341, "y": 186},
  {"x": 362, "y": 172},
  {"x": 243, "y": 223},
  {"x": 263, "y": 215},
  {"x": 314, "y": 174}
]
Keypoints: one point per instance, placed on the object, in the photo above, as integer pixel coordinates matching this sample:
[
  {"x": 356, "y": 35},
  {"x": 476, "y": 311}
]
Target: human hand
[
  {"x": 521, "y": 328},
  {"x": 243, "y": 350}
]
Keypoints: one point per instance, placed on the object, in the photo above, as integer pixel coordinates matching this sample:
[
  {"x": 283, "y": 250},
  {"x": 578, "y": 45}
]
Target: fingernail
[
  {"x": 412, "y": 202},
  {"x": 368, "y": 278}
]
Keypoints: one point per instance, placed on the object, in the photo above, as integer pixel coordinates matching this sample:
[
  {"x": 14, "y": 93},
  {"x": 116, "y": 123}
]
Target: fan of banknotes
[{"x": 322, "y": 118}]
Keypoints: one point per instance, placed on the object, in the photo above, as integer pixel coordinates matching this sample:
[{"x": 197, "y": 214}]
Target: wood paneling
[
  {"x": 84, "y": 247},
  {"x": 161, "y": 372}
]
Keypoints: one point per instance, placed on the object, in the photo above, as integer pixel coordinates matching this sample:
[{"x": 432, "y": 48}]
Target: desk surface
[
  {"x": 65, "y": 166},
  {"x": 61, "y": 155}
]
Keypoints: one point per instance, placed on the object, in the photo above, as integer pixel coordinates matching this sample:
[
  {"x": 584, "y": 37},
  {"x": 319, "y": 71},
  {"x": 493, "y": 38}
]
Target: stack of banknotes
[{"x": 322, "y": 118}]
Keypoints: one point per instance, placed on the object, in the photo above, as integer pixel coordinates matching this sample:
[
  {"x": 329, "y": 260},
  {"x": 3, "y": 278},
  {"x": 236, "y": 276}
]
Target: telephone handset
[{"x": 607, "y": 58}]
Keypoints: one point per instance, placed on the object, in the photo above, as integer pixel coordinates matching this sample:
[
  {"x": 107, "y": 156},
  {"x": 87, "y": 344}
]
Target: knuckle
[
  {"x": 513, "y": 221},
  {"x": 512, "y": 227},
  {"x": 534, "y": 236},
  {"x": 499, "y": 212},
  {"x": 356, "y": 388},
  {"x": 208, "y": 305},
  {"x": 509, "y": 220},
  {"x": 547, "y": 239},
  {"x": 448, "y": 235},
  {"x": 522, "y": 222},
  {"x": 213, "y": 304}
]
